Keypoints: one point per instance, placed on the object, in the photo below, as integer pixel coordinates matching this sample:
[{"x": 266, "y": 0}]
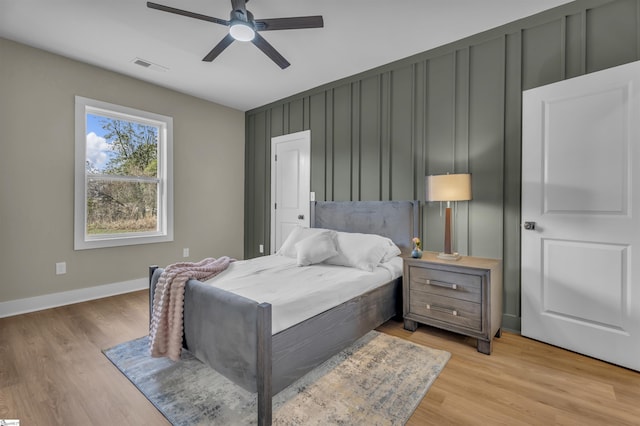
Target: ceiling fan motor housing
[{"x": 240, "y": 15}]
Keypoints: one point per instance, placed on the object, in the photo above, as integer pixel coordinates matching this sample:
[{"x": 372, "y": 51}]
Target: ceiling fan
[{"x": 243, "y": 27}]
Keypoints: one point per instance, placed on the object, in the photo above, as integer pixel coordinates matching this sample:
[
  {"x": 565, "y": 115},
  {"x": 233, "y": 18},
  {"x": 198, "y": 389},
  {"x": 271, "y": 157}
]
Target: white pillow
[
  {"x": 391, "y": 251},
  {"x": 288, "y": 248},
  {"x": 316, "y": 248},
  {"x": 362, "y": 251}
]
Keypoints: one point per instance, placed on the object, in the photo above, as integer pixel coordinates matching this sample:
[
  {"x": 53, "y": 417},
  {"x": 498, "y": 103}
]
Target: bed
[{"x": 246, "y": 350}]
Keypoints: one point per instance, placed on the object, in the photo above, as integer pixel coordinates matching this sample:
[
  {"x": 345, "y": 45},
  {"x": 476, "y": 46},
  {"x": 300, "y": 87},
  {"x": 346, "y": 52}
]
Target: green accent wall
[{"x": 456, "y": 108}]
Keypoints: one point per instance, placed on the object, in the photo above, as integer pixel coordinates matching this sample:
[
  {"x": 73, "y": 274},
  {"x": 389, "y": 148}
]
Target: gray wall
[
  {"x": 457, "y": 108},
  {"x": 37, "y": 92}
]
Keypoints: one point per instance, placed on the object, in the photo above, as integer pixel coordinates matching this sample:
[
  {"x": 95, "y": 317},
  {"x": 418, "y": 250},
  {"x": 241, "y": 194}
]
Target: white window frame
[{"x": 164, "y": 232}]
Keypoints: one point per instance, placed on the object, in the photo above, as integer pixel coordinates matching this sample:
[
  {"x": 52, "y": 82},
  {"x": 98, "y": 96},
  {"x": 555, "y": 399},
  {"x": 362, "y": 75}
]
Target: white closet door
[
  {"x": 581, "y": 187},
  {"x": 290, "y": 184}
]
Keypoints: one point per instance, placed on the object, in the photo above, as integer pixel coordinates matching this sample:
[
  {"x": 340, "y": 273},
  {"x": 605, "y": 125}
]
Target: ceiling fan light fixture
[{"x": 241, "y": 31}]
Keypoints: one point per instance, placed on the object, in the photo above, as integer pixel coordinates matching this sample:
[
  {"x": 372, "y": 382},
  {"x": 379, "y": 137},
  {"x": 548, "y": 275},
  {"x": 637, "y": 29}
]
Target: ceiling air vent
[
  {"x": 142, "y": 63},
  {"x": 149, "y": 65}
]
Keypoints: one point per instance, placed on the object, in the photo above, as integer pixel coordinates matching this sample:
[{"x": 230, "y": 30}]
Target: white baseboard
[{"x": 38, "y": 303}]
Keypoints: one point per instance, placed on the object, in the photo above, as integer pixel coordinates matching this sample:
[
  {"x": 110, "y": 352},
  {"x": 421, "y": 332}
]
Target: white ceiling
[{"x": 358, "y": 35}]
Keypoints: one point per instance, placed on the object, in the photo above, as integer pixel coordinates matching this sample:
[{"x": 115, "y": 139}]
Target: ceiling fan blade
[
  {"x": 224, "y": 43},
  {"x": 268, "y": 50},
  {"x": 290, "y": 23},
  {"x": 169, "y": 9}
]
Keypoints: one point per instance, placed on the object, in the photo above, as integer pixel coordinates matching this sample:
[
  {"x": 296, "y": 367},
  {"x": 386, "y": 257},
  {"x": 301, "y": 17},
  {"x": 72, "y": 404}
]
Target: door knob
[
  {"x": 529, "y": 226},
  {"x": 301, "y": 216}
]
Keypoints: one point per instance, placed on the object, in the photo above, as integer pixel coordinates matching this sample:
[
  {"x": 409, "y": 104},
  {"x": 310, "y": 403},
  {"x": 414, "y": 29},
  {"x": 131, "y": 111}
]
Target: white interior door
[
  {"x": 581, "y": 187},
  {"x": 290, "y": 184}
]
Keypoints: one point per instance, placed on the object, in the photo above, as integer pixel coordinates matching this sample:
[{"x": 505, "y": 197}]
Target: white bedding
[{"x": 297, "y": 293}]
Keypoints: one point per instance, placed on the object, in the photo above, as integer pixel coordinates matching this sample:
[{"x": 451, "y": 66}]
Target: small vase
[{"x": 416, "y": 253}]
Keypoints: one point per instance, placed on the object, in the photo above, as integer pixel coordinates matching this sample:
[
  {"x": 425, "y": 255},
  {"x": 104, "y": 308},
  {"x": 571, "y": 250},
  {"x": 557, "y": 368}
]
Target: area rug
[{"x": 378, "y": 380}]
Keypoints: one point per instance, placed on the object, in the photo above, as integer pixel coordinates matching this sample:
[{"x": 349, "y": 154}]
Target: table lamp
[{"x": 449, "y": 187}]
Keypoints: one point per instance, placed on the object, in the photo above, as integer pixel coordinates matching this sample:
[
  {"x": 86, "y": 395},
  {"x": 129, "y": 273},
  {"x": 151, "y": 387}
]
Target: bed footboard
[{"x": 230, "y": 333}]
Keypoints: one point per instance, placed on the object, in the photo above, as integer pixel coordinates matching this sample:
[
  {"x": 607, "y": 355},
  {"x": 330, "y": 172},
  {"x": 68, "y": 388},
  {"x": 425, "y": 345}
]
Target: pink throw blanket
[{"x": 165, "y": 332}]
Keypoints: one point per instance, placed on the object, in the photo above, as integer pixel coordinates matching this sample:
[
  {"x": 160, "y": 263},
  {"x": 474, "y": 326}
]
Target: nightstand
[{"x": 464, "y": 296}]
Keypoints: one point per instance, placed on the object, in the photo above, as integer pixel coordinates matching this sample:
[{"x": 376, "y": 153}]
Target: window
[{"x": 123, "y": 176}]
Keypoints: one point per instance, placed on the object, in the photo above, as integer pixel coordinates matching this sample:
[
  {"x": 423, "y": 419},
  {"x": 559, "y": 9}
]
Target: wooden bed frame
[{"x": 244, "y": 349}]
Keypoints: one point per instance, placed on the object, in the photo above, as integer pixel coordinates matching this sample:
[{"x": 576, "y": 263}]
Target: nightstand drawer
[
  {"x": 446, "y": 283},
  {"x": 453, "y": 311}
]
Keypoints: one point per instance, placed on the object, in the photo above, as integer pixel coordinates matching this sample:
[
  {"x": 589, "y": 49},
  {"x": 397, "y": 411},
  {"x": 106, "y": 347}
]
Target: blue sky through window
[{"x": 98, "y": 149}]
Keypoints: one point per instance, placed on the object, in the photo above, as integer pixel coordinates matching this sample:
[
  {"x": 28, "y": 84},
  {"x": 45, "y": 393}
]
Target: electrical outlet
[
  {"x": 61, "y": 268},
  {"x": 261, "y": 248},
  {"x": 185, "y": 252}
]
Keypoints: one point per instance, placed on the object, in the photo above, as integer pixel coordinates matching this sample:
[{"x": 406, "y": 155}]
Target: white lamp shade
[{"x": 456, "y": 187}]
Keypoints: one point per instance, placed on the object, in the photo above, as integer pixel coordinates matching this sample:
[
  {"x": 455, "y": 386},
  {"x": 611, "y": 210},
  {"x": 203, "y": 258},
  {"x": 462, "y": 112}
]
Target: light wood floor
[{"x": 52, "y": 372}]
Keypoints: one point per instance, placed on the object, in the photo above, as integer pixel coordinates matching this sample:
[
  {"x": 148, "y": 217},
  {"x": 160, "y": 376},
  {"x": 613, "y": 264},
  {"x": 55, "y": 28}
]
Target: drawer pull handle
[
  {"x": 441, "y": 284},
  {"x": 442, "y": 309}
]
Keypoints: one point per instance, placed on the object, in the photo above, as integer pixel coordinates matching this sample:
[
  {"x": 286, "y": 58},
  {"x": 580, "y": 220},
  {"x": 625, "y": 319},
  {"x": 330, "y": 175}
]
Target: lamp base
[{"x": 448, "y": 256}]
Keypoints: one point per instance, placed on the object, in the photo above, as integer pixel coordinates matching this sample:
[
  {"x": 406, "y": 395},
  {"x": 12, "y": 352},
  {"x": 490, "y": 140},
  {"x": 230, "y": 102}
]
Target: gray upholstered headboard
[{"x": 397, "y": 220}]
